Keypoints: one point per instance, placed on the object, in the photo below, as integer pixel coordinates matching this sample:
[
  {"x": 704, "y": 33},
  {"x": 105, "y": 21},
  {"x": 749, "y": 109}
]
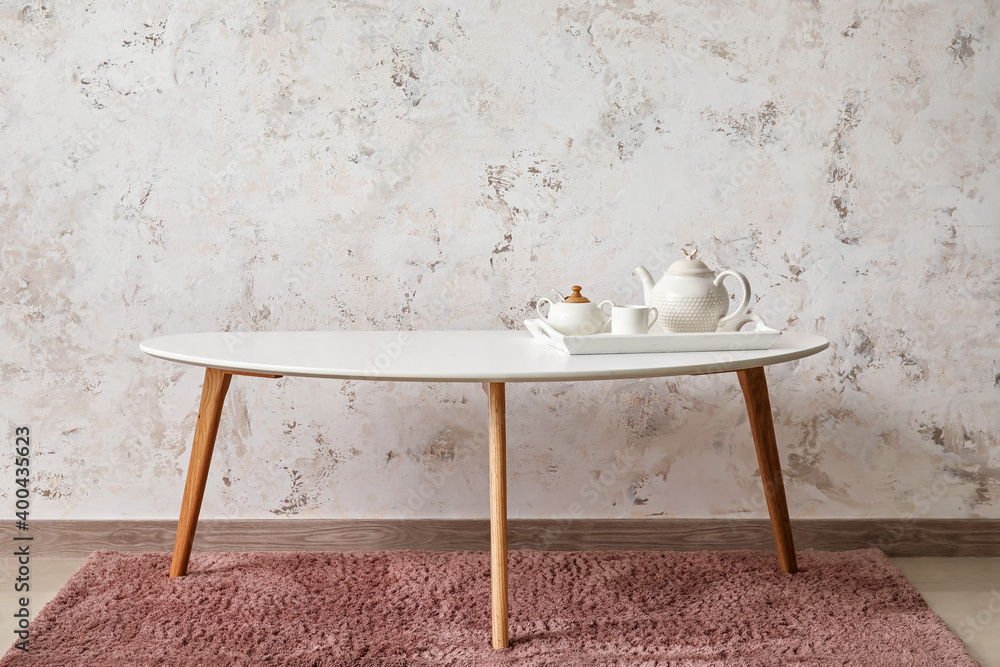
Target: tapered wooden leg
[
  {"x": 213, "y": 394},
  {"x": 758, "y": 402},
  {"x": 498, "y": 513}
]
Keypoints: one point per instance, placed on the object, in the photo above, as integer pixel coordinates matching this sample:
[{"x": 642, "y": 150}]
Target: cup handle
[
  {"x": 654, "y": 314},
  {"x": 601, "y": 306},
  {"x": 744, "y": 302},
  {"x": 538, "y": 307}
]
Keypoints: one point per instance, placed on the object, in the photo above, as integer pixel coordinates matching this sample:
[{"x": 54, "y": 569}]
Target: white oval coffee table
[{"x": 490, "y": 357}]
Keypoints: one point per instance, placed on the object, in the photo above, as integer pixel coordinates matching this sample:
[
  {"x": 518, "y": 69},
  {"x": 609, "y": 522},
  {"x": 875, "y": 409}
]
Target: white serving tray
[{"x": 761, "y": 338}]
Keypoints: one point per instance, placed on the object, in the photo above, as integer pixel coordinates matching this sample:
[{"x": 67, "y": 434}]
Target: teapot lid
[
  {"x": 689, "y": 265},
  {"x": 576, "y": 297}
]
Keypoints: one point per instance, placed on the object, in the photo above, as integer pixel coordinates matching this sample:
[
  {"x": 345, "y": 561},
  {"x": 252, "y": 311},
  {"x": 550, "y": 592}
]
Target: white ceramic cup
[{"x": 632, "y": 319}]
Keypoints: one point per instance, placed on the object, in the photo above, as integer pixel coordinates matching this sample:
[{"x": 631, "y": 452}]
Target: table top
[{"x": 449, "y": 356}]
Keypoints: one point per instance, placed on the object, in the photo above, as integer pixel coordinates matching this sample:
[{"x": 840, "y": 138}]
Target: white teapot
[
  {"x": 575, "y": 315},
  {"x": 690, "y": 298}
]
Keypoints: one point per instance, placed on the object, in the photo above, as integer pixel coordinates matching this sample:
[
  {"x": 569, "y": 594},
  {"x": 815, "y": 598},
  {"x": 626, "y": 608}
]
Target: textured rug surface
[{"x": 433, "y": 608}]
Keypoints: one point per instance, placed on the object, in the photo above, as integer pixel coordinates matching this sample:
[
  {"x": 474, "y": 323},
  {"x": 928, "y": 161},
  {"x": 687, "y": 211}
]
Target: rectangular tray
[{"x": 604, "y": 343}]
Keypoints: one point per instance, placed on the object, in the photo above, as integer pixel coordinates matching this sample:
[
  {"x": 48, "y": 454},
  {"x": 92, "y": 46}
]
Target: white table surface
[{"x": 448, "y": 356}]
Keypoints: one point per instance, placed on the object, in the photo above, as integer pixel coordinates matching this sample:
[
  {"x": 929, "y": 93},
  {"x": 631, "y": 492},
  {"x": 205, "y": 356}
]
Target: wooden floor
[{"x": 965, "y": 592}]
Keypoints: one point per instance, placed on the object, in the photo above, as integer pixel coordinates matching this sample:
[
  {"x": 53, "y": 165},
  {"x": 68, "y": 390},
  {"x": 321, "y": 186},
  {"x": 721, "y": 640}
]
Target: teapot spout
[{"x": 647, "y": 283}]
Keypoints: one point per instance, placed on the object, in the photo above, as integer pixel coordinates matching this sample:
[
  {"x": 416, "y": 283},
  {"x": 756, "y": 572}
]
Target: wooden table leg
[
  {"x": 498, "y": 513},
  {"x": 758, "y": 402},
  {"x": 213, "y": 394}
]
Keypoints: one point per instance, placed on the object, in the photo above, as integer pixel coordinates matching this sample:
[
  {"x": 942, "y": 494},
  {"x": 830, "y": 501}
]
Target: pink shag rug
[{"x": 433, "y": 608}]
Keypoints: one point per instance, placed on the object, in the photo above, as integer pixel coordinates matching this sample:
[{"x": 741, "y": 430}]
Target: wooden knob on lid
[{"x": 576, "y": 297}]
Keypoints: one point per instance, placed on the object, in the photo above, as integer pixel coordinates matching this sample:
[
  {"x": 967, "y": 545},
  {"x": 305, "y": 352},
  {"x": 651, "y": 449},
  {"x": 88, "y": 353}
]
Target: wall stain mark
[
  {"x": 841, "y": 206},
  {"x": 501, "y": 179},
  {"x": 986, "y": 480},
  {"x": 840, "y": 175},
  {"x": 865, "y": 347},
  {"x": 961, "y": 48},
  {"x": 508, "y": 237},
  {"x": 804, "y": 464},
  {"x": 755, "y": 128},
  {"x": 934, "y": 433},
  {"x": 447, "y": 445},
  {"x": 297, "y": 499},
  {"x": 718, "y": 49},
  {"x": 849, "y": 31}
]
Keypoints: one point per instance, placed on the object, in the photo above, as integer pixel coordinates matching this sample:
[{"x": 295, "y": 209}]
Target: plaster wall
[{"x": 198, "y": 166}]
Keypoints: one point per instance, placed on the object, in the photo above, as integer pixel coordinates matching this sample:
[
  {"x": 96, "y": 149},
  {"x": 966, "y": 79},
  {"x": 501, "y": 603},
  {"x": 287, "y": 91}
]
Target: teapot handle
[
  {"x": 744, "y": 302},
  {"x": 538, "y": 307}
]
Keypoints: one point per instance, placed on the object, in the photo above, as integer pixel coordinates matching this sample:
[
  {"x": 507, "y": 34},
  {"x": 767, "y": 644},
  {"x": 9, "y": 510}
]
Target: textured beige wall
[{"x": 218, "y": 166}]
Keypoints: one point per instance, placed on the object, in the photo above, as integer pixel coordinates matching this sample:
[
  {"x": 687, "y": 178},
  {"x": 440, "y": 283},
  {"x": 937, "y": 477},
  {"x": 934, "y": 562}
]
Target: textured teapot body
[
  {"x": 689, "y": 304},
  {"x": 690, "y": 298}
]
